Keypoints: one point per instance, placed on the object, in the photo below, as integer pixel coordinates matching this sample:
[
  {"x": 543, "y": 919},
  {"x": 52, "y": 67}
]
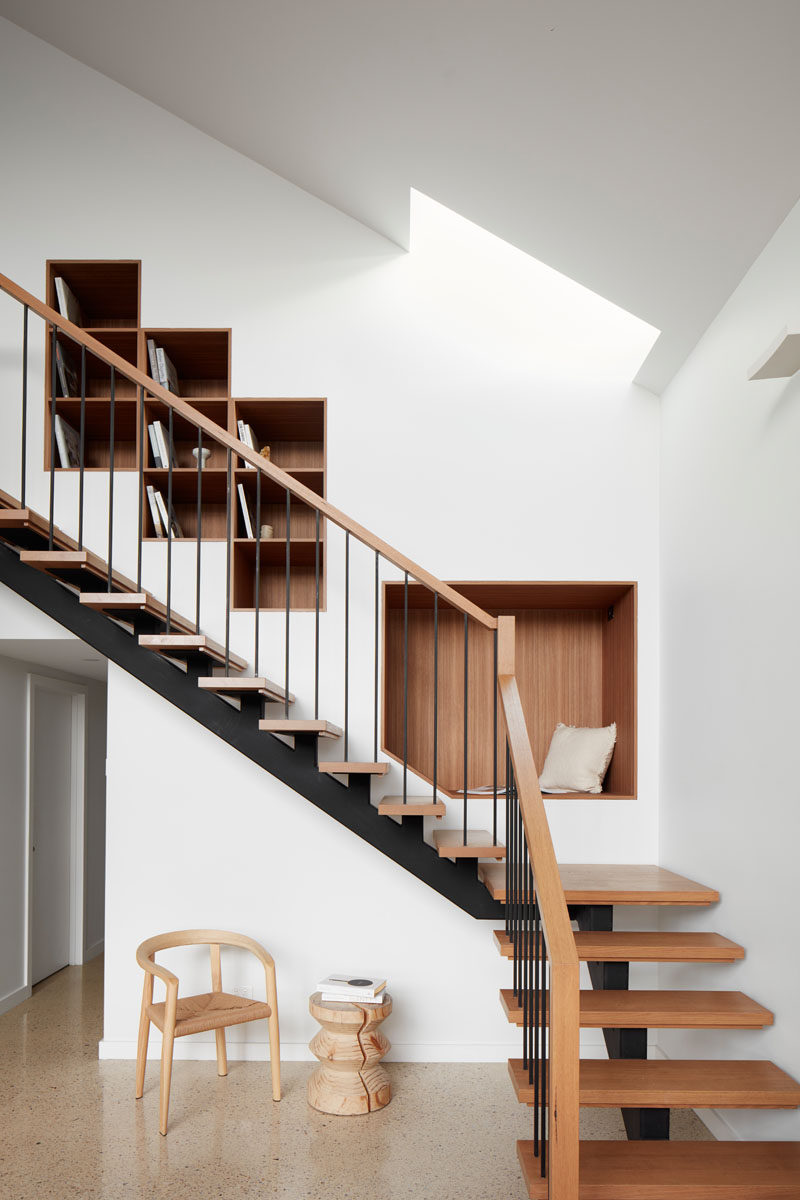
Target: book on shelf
[
  {"x": 162, "y": 437},
  {"x": 248, "y": 517},
  {"x": 155, "y": 445},
  {"x": 344, "y": 986},
  {"x": 66, "y": 373},
  {"x": 155, "y": 512},
  {"x": 68, "y": 443},
  {"x": 152, "y": 358},
  {"x": 247, "y": 436},
  {"x": 173, "y": 524},
  {"x": 167, "y": 375},
  {"x": 67, "y": 301}
]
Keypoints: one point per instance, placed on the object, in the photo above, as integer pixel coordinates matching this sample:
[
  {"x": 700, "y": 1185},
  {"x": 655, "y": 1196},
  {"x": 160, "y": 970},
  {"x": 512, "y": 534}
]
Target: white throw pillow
[{"x": 578, "y": 759}]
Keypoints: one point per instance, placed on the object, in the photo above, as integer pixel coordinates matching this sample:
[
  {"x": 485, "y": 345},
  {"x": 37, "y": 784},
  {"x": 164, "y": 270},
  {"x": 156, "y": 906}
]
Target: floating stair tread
[
  {"x": 289, "y": 727},
  {"x": 7, "y": 501},
  {"x": 182, "y": 643},
  {"x": 122, "y": 602},
  {"x": 26, "y": 518},
  {"x": 354, "y": 768},
  {"x": 598, "y": 883},
  {"x": 623, "y": 946},
  {"x": 238, "y": 685},
  {"x": 450, "y": 844},
  {"x": 644, "y": 1009},
  {"x": 672, "y": 1083},
  {"x": 415, "y": 806},
  {"x": 664, "y": 1170},
  {"x": 55, "y": 562}
]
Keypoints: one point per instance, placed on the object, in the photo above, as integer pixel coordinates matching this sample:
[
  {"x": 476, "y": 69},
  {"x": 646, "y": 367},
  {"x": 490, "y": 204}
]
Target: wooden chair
[{"x": 196, "y": 1014}]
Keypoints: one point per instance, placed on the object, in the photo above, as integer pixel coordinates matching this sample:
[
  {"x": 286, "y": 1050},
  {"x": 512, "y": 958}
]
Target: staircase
[{"x": 521, "y": 884}]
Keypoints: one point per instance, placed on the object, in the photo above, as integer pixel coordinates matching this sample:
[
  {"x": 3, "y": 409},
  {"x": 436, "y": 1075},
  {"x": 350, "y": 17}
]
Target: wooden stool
[{"x": 350, "y": 1079}]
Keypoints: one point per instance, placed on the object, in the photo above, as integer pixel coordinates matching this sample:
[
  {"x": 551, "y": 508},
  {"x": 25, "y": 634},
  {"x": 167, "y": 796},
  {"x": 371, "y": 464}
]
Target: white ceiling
[
  {"x": 66, "y": 654},
  {"x": 639, "y": 146}
]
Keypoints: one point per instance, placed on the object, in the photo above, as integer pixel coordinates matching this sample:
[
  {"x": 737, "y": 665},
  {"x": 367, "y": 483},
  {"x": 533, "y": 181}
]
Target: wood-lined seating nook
[{"x": 195, "y": 1014}]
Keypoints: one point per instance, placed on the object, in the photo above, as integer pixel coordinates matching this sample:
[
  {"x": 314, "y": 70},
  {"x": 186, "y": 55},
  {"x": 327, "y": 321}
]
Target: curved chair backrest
[{"x": 213, "y": 938}]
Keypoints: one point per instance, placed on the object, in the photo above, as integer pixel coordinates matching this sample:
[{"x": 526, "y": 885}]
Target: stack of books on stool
[{"x": 343, "y": 988}]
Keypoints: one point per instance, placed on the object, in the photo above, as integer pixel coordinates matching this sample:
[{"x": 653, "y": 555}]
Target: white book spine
[
  {"x": 162, "y": 444},
  {"x": 154, "y": 511},
  {"x": 335, "y": 998},
  {"x": 153, "y": 356},
  {"x": 154, "y": 446}
]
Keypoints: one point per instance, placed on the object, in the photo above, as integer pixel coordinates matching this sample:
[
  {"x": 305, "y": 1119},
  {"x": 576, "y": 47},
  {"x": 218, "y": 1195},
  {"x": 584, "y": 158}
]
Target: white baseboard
[
  {"x": 13, "y": 999},
  {"x": 94, "y": 950}
]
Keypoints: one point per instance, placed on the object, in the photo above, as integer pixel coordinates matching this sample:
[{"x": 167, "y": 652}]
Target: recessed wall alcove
[{"x": 576, "y": 663}]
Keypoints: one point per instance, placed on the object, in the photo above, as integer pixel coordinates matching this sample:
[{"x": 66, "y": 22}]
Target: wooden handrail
[
  {"x": 564, "y": 966},
  {"x": 224, "y": 438}
]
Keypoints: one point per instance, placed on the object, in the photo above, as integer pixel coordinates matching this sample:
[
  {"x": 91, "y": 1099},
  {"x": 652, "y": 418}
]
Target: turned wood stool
[{"x": 350, "y": 1079}]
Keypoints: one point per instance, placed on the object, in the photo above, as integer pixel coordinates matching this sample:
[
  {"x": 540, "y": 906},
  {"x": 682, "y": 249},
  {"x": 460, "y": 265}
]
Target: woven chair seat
[{"x": 212, "y": 1010}]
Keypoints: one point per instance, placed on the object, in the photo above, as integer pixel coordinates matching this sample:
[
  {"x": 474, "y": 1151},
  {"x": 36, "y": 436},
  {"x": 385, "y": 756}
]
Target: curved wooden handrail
[
  {"x": 560, "y": 939},
  {"x": 224, "y": 438}
]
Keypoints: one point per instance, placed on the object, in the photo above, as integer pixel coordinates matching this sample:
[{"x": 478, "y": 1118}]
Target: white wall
[
  {"x": 731, "y": 659},
  {"x": 14, "y": 676},
  {"x": 451, "y": 434}
]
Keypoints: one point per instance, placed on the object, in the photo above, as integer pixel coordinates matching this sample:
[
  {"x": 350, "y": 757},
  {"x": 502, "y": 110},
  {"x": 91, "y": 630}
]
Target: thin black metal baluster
[
  {"x": 529, "y": 959},
  {"x": 346, "y": 643},
  {"x": 170, "y": 456},
  {"x": 316, "y": 619},
  {"x": 53, "y": 345},
  {"x": 435, "y": 690},
  {"x": 508, "y": 846},
  {"x": 537, "y": 1000},
  {"x": 405, "y": 688},
  {"x": 112, "y": 438},
  {"x": 288, "y": 599},
  {"x": 466, "y": 719},
  {"x": 82, "y": 448},
  {"x": 228, "y": 535},
  {"x": 545, "y": 1005},
  {"x": 24, "y": 461},
  {"x": 494, "y": 745},
  {"x": 142, "y": 452},
  {"x": 199, "y": 529},
  {"x": 375, "y": 718},
  {"x": 257, "y": 618},
  {"x": 524, "y": 949},
  {"x": 512, "y": 889}
]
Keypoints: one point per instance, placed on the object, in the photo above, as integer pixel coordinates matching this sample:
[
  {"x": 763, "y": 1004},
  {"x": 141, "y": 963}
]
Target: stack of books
[
  {"x": 162, "y": 368},
  {"x": 344, "y": 988}
]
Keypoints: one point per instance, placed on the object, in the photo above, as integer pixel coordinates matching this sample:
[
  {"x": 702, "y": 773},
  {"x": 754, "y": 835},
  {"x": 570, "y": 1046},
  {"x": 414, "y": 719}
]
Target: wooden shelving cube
[
  {"x": 201, "y": 357},
  {"x": 576, "y": 663},
  {"x": 108, "y": 291}
]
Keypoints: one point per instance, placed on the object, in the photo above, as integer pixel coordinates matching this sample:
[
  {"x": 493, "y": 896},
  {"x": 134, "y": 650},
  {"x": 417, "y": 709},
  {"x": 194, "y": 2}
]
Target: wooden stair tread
[
  {"x": 122, "y": 602},
  {"x": 288, "y": 727},
  {"x": 672, "y": 1083},
  {"x": 238, "y": 685},
  {"x": 415, "y": 806},
  {"x": 62, "y": 561},
  {"x": 354, "y": 768},
  {"x": 598, "y": 883},
  {"x": 623, "y": 946},
  {"x": 12, "y": 517},
  {"x": 450, "y": 844},
  {"x": 645, "y": 1009},
  {"x": 664, "y": 1170},
  {"x": 181, "y": 643}
]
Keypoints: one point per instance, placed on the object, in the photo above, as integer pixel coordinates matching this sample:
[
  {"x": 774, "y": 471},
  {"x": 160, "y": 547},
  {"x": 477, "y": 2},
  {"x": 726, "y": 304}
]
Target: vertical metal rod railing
[
  {"x": 494, "y": 741},
  {"x": 140, "y": 525},
  {"x": 257, "y": 580},
  {"x": 545, "y": 1014},
  {"x": 23, "y": 473},
  {"x": 288, "y": 602},
  {"x": 53, "y": 369},
  {"x": 346, "y": 644},
  {"x": 316, "y": 618},
  {"x": 508, "y": 844},
  {"x": 435, "y": 692},
  {"x": 405, "y": 687},
  {"x": 375, "y": 662},
  {"x": 199, "y": 541},
  {"x": 466, "y": 722},
  {"x": 526, "y": 983},
  {"x": 82, "y": 448},
  {"x": 228, "y": 557},
  {"x": 112, "y": 416},
  {"x": 170, "y": 460}
]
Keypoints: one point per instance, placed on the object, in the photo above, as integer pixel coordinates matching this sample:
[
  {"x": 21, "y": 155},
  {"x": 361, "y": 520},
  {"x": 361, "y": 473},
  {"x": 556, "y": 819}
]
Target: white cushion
[{"x": 578, "y": 759}]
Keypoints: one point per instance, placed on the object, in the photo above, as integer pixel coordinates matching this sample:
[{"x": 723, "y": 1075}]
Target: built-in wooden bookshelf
[
  {"x": 109, "y": 295},
  {"x": 576, "y": 663}
]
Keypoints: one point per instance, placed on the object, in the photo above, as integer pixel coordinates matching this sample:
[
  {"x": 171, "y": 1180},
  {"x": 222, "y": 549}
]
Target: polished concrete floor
[{"x": 71, "y": 1128}]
